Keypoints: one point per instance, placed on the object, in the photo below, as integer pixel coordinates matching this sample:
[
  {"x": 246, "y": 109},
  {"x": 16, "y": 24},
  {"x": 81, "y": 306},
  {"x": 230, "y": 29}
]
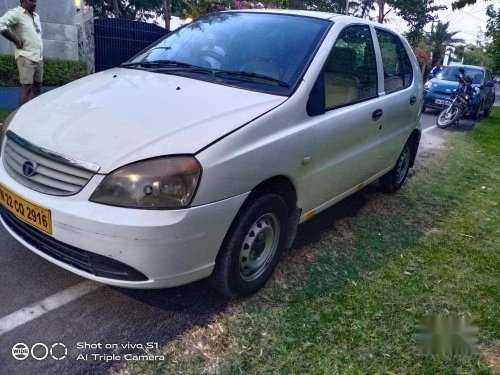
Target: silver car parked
[{"x": 201, "y": 155}]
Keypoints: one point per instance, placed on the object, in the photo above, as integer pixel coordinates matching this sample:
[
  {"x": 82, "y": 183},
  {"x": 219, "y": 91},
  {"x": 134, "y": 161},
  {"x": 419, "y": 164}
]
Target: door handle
[
  {"x": 377, "y": 114},
  {"x": 413, "y": 100}
]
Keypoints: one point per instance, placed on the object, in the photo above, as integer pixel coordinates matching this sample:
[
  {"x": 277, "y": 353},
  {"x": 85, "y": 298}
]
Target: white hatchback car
[{"x": 200, "y": 156}]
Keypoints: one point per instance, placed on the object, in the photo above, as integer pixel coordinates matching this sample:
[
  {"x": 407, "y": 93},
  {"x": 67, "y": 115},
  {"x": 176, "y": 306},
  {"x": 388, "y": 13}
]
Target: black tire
[
  {"x": 475, "y": 115},
  {"x": 441, "y": 120},
  {"x": 487, "y": 112},
  {"x": 229, "y": 276},
  {"x": 395, "y": 179}
]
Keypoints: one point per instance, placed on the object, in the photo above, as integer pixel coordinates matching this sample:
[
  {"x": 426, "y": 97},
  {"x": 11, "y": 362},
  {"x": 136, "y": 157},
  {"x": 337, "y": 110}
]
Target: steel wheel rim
[
  {"x": 259, "y": 246},
  {"x": 402, "y": 165}
]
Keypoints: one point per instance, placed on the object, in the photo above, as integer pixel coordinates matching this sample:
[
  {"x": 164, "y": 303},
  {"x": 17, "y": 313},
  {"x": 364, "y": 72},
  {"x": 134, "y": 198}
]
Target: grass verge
[{"x": 346, "y": 298}]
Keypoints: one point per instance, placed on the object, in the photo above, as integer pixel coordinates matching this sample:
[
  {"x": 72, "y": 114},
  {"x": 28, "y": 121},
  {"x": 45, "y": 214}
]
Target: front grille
[
  {"x": 443, "y": 93},
  {"x": 94, "y": 264},
  {"x": 54, "y": 174}
]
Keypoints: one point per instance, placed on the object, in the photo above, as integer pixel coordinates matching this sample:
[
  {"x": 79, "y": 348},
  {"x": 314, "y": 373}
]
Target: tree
[
  {"x": 476, "y": 56},
  {"x": 459, "y": 4},
  {"x": 493, "y": 32},
  {"x": 137, "y": 10},
  {"x": 167, "y": 12},
  {"x": 417, "y": 14},
  {"x": 382, "y": 13},
  {"x": 361, "y": 8},
  {"x": 440, "y": 39}
]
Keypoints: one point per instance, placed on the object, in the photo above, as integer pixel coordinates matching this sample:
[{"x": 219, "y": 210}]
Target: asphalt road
[{"x": 110, "y": 315}]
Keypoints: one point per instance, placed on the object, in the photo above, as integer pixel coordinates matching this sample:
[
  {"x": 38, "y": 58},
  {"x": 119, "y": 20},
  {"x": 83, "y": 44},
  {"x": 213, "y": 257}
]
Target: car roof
[
  {"x": 294, "y": 12},
  {"x": 314, "y": 14},
  {"x": 466, "y": 66}
]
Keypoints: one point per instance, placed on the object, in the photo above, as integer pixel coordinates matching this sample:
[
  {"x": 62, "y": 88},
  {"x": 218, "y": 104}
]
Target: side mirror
[
  {"x": 316, "y": 103},
  {"x": 481, "y": 87}
]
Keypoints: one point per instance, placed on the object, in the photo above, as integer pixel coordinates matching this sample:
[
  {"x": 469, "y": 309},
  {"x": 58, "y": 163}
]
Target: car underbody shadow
[{"x": 312, "y": 230}]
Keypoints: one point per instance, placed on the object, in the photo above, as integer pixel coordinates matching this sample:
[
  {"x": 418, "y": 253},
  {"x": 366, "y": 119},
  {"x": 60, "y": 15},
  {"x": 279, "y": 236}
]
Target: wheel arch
[
  {"x": 284, "y": 187},
  {"x": 414, "y": 137}
]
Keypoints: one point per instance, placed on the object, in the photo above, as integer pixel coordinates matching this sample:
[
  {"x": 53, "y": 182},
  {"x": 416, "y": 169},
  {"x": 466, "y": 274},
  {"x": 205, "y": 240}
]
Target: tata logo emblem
[{"x": 29, "y": 168}]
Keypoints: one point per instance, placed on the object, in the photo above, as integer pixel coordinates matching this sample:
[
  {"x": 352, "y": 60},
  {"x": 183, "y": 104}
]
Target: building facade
[{"x": 59, "y": 28}]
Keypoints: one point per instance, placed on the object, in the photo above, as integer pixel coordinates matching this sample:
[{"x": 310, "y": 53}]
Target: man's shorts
[{"x": 29, "y": 71}]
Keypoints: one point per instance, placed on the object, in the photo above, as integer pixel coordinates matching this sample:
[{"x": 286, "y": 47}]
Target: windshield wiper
[
  {"x": 166, "y": 66},
  {"x": 157, "y": 63},
  {"x": 239, "y": 74},
  {"x": 177, "y": 66}
]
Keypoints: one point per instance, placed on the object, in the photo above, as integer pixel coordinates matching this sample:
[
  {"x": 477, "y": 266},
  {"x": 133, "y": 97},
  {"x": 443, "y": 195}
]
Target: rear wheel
[
  {"x": 448, "y": 116},
  {"x": 392, "y": 181},
  {"x": 487, "y": 112},
  {"x": 252, "y": 247}
]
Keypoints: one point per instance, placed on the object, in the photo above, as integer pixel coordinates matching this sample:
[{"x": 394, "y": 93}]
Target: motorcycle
[{"x": 461, "y": 99}]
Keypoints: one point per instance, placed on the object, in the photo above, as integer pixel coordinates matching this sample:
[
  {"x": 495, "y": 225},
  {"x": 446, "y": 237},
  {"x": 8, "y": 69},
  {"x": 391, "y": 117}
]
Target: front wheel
[
  {"x": 448, "y": 116},
  {"x": 252, "y": 247}
]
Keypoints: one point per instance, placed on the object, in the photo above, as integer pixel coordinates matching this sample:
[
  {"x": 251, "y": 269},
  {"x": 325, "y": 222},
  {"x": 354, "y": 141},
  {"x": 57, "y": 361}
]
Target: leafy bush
[{"x": 56, "y": 72}]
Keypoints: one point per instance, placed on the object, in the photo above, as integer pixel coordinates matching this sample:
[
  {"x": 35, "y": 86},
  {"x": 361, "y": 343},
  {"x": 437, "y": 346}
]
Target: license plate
[
  {"x": 26, "y": 211},
  {"x": 443, "y": 102}
]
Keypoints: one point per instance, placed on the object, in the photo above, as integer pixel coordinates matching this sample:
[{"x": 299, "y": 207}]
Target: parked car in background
[
  {"x": 438, "y": 90},
  {"x": 496, "y": 79},
  {"x": 200, "y": 156}
]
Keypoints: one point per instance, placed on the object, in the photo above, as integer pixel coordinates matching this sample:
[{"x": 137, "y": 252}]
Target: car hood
[
  {"x": 443, "y": 85},
  {"x": 122, "y": 115}
]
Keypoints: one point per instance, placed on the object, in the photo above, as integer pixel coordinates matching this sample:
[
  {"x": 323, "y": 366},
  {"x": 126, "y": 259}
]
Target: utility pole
[{"x": 347, "y": 7}]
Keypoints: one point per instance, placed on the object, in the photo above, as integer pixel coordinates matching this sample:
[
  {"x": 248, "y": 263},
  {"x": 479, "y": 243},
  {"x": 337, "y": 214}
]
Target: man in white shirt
[{"x": 21, "y": 26}]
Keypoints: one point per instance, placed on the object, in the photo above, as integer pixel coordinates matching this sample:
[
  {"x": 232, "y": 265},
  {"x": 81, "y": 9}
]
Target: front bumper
[
  {"x": 430, "y": 101},
  {"x": 168, "y": 248}
]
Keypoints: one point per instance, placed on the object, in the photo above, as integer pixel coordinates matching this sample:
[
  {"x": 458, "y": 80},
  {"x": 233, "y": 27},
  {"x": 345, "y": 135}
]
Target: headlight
[
  {"x": 162, "y": 183},
  {"x": 5, "y": 126},
  {"x": 428, "y": 85}
]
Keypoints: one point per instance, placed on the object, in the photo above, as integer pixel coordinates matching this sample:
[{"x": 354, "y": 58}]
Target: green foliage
[
  {"x": 8, "y": 71},
  {"x": 56, "y": 72},
  {"x": 476, "y": 56},
  {"x": 459, "y": 4},
  {"x": 493, "y": 31},
  {"x": 417, "y": 14},
  {"x": 441, "y": 38},
  {"x": 144, "y": 10},
  {"x": 138, "y": 10}
]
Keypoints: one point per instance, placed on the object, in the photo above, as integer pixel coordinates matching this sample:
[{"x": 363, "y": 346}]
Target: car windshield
[
  {"x": 450, "y": 74},
  {"x": 256, "y": 51}
]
